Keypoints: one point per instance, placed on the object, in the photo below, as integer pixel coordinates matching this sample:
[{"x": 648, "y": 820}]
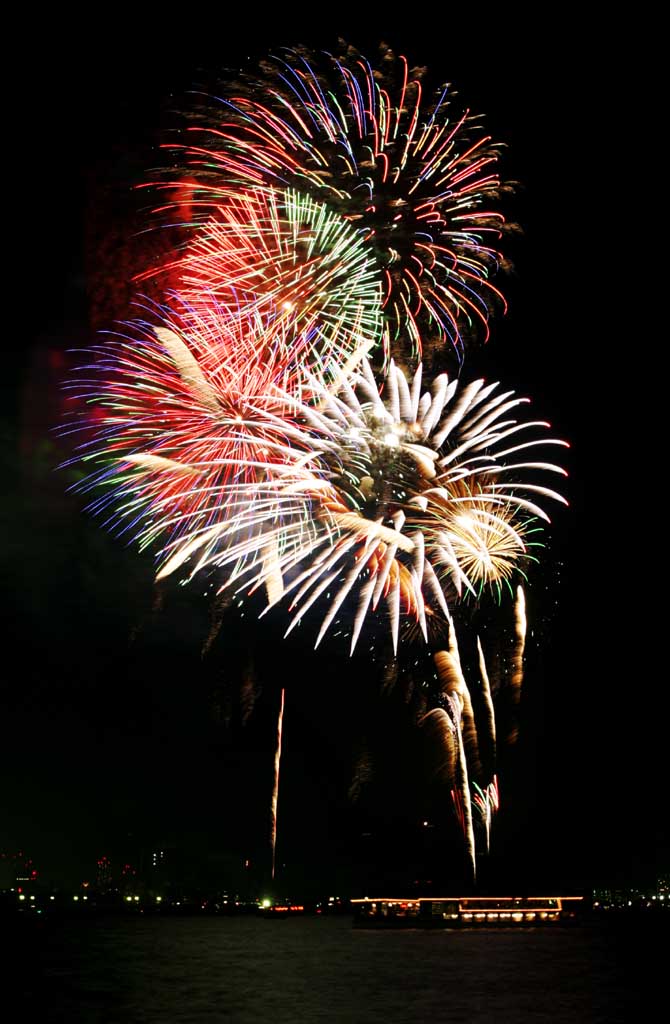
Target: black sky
[{"x": 112, "y": 723}]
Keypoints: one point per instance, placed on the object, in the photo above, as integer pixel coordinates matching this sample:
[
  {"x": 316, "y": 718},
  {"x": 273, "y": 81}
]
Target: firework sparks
[
  {"x": 191, "y": 432},
  {"x": 405, "y": 472},
  {"x": 355, "y": 494},
  {"x": 413, "y": 176},
  {"x": 290, "y": 262}
]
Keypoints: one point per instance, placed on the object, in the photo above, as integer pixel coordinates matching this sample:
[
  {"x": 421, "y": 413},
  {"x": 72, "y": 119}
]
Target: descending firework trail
[
  {"x": 459, "y": 734},
  {"x": 444, "y": 725},
  {"x": 455, "y": 735},
  {"x": 414, "y": 176},
  {"x": 520, "y": 626},
  {"x": 453, "y": 684},
  {"x": 486, "y": 690},
  {"x": 442, "y": 731},
  {"x": 488, "y": 704},
  {"x": 464, "y": 741},
  {"x": 275, "y": 787},
  {"x": 483, "y": 795},
  {"x": 289, "y": 261},
  {"x": 487, "y": 802},
  {"x": 516, "y": 673},
  {"x": 464, "y": 800}
]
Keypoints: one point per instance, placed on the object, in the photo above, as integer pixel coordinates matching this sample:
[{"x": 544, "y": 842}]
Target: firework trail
[
  {"x": 453, "y": 726},
  {"x": 486, "y": 690},
  {"x": 490, "y": 710},
  {"x": 487, "y": 802},
  {"x": 454, "y": 686},
  {"x": 443, "y": 727},
  {"x": 275, "y": 787},
  {"x": 442, "y": 733},
  {"x": 414, "y": 177},
  {"x": 453, "y": 730},
  {"x": 520, "y": 626},
  {"x": 464, "y": 802},
  {"x": 454, "y": 702},
  {"x": 516, "y": 673}
]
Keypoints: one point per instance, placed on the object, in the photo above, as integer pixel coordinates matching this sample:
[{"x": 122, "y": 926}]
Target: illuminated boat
[{"x": 467, "y": 911}]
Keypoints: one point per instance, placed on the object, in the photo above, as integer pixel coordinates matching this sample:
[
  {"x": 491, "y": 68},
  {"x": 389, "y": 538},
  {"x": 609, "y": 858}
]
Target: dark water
[{"x": 247, "y": 970}]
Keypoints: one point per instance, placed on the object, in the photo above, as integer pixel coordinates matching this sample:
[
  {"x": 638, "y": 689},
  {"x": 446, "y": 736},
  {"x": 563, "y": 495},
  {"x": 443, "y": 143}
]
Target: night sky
[{"x": 118, "y": 735}]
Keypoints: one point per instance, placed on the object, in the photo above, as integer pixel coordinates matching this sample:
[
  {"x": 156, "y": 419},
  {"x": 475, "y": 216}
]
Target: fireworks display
[
  {"x": 271, "y": 428},
  {"x": 409, "y": 502},
  {"x": 412, "y": 173}
]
